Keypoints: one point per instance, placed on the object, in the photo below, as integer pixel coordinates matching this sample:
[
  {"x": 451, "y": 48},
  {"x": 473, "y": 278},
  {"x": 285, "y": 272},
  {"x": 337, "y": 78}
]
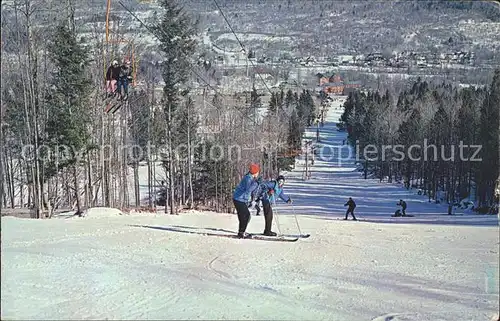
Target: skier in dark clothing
[
  {"x": 266, "y": 193},
  {"x": 350, "y": 209},
  {"x": 124, "y": 78},
  {"x": 112, "y": 75},
  {"x": 403, "y": 206},
  {"x": 242, "y": 196}
]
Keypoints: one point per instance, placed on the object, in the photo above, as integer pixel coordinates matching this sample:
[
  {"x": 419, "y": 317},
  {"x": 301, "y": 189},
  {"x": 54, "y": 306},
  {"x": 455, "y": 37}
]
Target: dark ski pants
[
  {"x": 350, "y": 210},
  {"x": 123, "y": 82},
  {"x": 268, "y": 216},
  {"x": 243, "y": 215}
]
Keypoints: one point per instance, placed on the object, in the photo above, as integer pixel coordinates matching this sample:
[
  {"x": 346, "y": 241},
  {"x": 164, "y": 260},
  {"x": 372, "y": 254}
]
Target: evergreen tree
[
  {"x": 295, "y": 132},
  {"x": 306, "y": 108},
  {"x": 68, "y": 102},
  {"x": 176, "y": 33},
  {"x": 137, "y": 125},
  {"x": 255, "y": 103},
  {"x": 349, "y": 105},
  {"x": 273, "y": 104},
  {"x": 140, "y": 112},
  {"x": 467, "y": 130},
  {"x": 310, "y": 107},
  {"x": 289, "y": 101},
  {"x": 408, "y": 135},
  {"x": 214, "y": 181}
]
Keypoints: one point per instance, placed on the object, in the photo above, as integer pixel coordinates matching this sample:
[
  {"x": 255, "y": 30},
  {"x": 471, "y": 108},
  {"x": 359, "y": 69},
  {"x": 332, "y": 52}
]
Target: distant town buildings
[
  {"x": 335, "y": 85},
  {"x": 404, "y": 59}
]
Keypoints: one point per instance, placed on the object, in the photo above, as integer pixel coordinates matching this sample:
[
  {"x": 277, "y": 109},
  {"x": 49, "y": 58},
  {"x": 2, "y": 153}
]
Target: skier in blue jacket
[
  {"x": 267, "y": 193},
  {"x": 243, "y": 194}
]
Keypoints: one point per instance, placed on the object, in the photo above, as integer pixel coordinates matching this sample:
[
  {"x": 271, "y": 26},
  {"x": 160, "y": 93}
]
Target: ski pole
[
  {"x": 296, "y": 220},
  {"x": 276, "y": 218}
]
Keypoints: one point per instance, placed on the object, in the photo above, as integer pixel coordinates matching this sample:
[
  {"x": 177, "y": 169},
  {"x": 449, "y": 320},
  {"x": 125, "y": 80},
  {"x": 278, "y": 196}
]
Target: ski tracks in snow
[
  {"x": 223, "y": 274},
  {"x": 391, "y": 317}
]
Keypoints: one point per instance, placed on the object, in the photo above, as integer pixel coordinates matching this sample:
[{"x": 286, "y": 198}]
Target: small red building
[{"x": 335, "y": 85}]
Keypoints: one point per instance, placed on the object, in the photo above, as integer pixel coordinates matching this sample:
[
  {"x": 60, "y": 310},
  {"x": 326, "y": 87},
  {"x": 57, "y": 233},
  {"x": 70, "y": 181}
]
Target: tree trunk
[
  {"x": 29, "y": 83},
  {"x": 33, "y": 90},
  {"x": 115, "y": 170},
  {"x": 71, "y": 16},
  {"x": 136, "y": 184},
  {"x": 106, "y": 169},
  {"x": 90, "y": 182},
  {"x": 190, "y": 170},
  {"x": 307, "y": 162},
  {"x": 86, "y": 201},
  {"x": 173, "y": 209},
  {"x": 77, "y": 190},
  {"x": 366, "y": 170},
  {"x": 102, "y": 162},
  {"x": 150, "y": 183},
  {"x": 151, "y": 176},
  {"x": 124, "y": 152},
  {"x": 21, "y": 184},
  {"x": 30, "y": 188},
  {"x": 183, "y": 175},
  {"x": 217, "y": 187},
  {"x": 46, "y": 200},
  {"x": 9, "y": 168},
  {"x": 3, "y": 162}
]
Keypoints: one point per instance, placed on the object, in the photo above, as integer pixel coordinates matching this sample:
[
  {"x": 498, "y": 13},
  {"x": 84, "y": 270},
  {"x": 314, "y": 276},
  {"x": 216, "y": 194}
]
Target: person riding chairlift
[
  {"x": 112, "y": 75},
  {"x": 125, "y": 76}
]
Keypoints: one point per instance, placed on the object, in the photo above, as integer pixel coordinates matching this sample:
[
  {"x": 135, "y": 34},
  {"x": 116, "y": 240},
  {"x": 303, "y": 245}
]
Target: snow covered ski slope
[{"x": 145, "y": 266}]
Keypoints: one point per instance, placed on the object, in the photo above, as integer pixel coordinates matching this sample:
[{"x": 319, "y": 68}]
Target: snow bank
[{"x": 95, "y": 212}]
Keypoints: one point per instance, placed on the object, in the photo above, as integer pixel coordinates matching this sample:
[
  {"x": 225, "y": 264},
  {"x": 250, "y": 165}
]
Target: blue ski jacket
[
  {"x": 246, "y": 187},
  {"x": 268, "y": 191}
]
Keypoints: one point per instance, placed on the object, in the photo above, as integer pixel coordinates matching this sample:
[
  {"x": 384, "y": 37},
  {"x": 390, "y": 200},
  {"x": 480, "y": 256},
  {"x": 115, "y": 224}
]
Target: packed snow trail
[
  {"x": 144, "y": 266},
  {"x": 136, "y": 267}
]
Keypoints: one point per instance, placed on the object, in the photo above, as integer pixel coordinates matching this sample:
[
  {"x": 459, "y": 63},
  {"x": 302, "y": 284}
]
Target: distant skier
[
  {"x": 124, "y": 78},
  {"x": 403, "y": 206},
  {"x": 350, "y": 209},
  {"x": 256, "y": 205},
  {"x": 267, "y": 193},
  {"x": 112, "y": 75},
  {"x": 242, "y": 195}
]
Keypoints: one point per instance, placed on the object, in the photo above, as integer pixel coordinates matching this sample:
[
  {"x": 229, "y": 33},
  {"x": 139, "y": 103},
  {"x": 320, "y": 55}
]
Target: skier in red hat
[{"x": 242, "y": 195}]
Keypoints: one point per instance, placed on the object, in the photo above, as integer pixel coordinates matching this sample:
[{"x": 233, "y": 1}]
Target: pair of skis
[
  {"x": 278, "y": 238},
  {"x": 233, "y": 235},
  {"x": 211, "y": 231},
  {"x": 112, "y": 104}
]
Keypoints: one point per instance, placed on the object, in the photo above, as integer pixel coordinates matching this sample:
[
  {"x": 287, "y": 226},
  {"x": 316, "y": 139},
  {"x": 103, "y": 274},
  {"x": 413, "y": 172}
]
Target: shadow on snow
[{"x": 202, "y": 231}]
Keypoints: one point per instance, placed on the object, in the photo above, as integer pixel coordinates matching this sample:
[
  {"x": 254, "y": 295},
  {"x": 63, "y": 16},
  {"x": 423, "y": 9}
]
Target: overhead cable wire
[{"x": 241, "y": 44}]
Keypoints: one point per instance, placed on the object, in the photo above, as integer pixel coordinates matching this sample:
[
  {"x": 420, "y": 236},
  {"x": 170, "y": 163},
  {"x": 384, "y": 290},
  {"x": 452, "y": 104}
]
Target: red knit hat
[{"x": 254, "y": 169}]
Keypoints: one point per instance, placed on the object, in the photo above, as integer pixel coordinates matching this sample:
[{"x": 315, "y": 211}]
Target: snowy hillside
[{"x": 109, "y": 265}]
